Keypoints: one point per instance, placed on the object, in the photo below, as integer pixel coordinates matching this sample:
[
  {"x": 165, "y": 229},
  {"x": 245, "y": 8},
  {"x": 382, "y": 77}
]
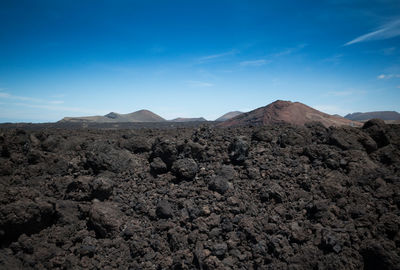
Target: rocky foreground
[{"x": 274, "y": 197}]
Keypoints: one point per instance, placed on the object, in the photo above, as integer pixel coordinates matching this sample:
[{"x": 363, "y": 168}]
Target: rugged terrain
[
  {"x": 272, "y": 197},
  {"x": 281, "y": 111}
]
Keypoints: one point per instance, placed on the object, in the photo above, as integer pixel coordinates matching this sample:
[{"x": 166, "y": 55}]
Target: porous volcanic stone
[
  {"x": 164, "y": 209},
  {"x": 185, "y": 168}
]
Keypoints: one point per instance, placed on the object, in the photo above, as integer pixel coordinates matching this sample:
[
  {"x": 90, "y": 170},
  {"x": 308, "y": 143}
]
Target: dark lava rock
[
  {"x": 379, "y": 256},
  {"x": 185, "y": 168},
  {"x": 330, "y": 242},
  {"x": 197, "y": 151},
  {"x": 164, "y": 209},
  {"x": 105, "y": 218},
  {"x": 4, "y": 151},
  {"x": 382, "y": 133},
  {"x": 220, "y": 249},
  {"x": 376, "y": 128},
  {"x": 25, "y": 216},
  {"x": 52, "y": 143},
  {"x": 34, "y": 156},
  {"x": 104, "y": 157},
  {"x": 272, "y": 192},
  {"x": 136, "y": 144},
  {"x": 227, "y": 172},
  {"x": 293, "y": 137},
  {"x": 79, "y": 189},
  {"x": 262, "y": 135},
  {"x": 158, "y": 166},
  {"x": 6, "y": 167},
  {"x": 102, "y": 188},
  {"x": 238, "y": 150},
  {"x": 388, "y": 154},
  {"x": 219, "y": 185},
  {"x": 389, "y": 224},
  {"x": 87, "y": 250},
  {"x": 318, "y": 131},
  {"x": 348, "y": 138},
  {"x": 85, "y": 196},
  {"x": 166, "y": 150}
]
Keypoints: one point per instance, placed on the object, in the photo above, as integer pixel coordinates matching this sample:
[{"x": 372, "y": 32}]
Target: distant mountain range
[
  {"x": 277, "y": 112},
  {"x": 384, "y": 115},
  {"x": 286, "y": 112},
  {"x": 138, "y": 116},
  {"x": 228, "y": 116}
]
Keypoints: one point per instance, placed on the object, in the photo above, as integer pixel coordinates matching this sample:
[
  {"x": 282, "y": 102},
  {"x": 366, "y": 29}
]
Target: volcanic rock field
[{"x": 202, "y": 197}]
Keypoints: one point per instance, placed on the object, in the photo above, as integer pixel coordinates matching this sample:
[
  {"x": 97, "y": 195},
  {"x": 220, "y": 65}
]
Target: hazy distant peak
[
  {"x": 228, "y": 116},
  {"x": 184, "y": 119},
  {"x": 144, "y": 111},
  {"x": 112, "y": 115},
  {"x": 384, "y": 115}
]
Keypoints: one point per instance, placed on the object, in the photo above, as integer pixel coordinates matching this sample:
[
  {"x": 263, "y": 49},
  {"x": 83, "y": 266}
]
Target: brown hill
[
  {"x": 112, "y": 117},
  {"x": 281, "y": 111}
]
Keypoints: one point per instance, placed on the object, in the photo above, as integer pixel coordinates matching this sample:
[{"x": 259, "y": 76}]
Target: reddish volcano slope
[{"x": 281, "y": 111}]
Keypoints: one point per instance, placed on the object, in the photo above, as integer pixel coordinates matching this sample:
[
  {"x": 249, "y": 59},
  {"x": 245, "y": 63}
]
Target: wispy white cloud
[
  {"x": 386, "y": 31},
  {"x": 255, "y": 63},
  {"x": 56, "y": 102},
  {"x": 290, "y": 50},
  {"x": 4, "y": 95},
  {"x": 388, "y": 76},
  {"x": 22, "y": 98},
  {"x": 217, "y": 56},
  {"x": 199, "y": 84},
  {"x": 55, "y": 107},
  {"x": 8, "y": 96}
]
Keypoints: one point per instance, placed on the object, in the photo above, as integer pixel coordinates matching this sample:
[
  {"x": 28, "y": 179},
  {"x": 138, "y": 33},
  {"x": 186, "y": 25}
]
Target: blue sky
[{"x": 195, "y": 58}]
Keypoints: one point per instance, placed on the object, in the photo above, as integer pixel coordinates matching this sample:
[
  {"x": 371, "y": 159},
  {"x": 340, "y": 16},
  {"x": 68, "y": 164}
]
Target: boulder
[
  {"x": 238, "y": 150},
  {"x": 219, "y": 185},
  {"x": 185, "y": 168},
  {"x": 164, "y": 209},
  {"x": 105, "y": 219},
  {"x": 157, "y": 166}
]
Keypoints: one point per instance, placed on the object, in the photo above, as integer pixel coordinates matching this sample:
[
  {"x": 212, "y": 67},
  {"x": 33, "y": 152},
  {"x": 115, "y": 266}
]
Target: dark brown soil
[{"x": 274, "y": 197}]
